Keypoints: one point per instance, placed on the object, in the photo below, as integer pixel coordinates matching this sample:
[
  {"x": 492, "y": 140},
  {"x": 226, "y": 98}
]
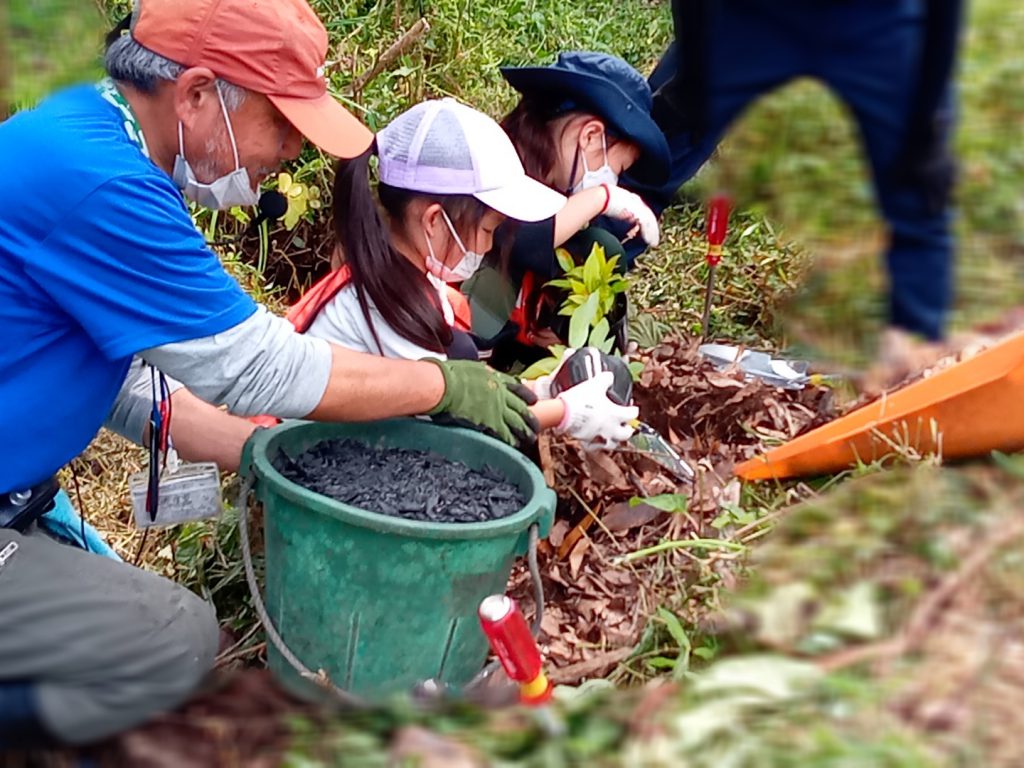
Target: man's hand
[
  {"x": 592, "y": 418},
  {"x": 625, "y": 205},
  {"x": 489, "y": 400}
]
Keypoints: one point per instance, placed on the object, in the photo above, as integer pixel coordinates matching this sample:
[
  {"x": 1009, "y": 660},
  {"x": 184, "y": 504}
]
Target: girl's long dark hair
[
  {"x": 383, "y": 277},
  {"x": 528, "y": 125}
]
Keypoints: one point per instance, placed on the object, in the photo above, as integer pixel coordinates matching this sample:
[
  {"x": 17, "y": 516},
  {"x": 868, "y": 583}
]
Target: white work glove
[
  {"x": 623, "y": 204},
  {"x": 592, "y": 418},
  {"x": 541, "y": 386}
]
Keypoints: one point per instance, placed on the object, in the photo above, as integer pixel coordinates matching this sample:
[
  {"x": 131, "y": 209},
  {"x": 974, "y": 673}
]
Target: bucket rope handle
[
  {"x": 538, "y": 585},
  {"x": 347, "y": 698}
]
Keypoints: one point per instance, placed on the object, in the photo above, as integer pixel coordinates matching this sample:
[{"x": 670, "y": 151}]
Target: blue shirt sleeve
[{"x": 130, "y": 268}]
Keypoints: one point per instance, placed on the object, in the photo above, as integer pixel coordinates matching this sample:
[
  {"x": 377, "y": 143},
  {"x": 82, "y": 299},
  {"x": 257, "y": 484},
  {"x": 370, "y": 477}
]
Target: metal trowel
[
  {"x": 787, "y": 374},
  {"x": 649, "y": 442}
]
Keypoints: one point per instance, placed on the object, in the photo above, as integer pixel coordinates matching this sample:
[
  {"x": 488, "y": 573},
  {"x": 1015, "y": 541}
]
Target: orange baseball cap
[{"x": 274, "y": 47}]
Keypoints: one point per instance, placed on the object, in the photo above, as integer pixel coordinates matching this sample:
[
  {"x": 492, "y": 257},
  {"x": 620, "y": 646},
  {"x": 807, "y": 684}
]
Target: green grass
[
  {"x": 469, "y": 40},
  {"x": 49, "y": 43}
]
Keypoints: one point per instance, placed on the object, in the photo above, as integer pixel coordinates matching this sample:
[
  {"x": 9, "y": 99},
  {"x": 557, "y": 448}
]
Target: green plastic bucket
[{"x": 381, "y": 603}]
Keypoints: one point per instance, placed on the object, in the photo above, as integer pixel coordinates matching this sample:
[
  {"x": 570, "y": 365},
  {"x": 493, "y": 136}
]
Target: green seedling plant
[
  {"x": 733, "y": 515},
  {"x": 597, "y": 275},
  {"x": 679, "y": 664},
  {"x": 592, "y": 290}
]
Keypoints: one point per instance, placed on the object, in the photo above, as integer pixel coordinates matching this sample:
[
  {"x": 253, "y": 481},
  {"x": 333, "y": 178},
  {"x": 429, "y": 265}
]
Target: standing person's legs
[
  {"x": 750, "y": 48},
  {"x": 874, "y": 66},
  {"x": 90, "y": 646}
]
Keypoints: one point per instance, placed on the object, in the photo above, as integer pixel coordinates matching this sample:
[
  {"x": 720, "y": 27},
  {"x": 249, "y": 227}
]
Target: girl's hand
[
  {"x": 625, "y": 205},
  {"x": 541, "y": 386},
  {"x": 592, "y": 418}
]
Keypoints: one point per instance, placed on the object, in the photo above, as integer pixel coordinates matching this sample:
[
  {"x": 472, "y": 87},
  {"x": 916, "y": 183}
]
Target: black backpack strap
[{"x": 19, "y": 509}]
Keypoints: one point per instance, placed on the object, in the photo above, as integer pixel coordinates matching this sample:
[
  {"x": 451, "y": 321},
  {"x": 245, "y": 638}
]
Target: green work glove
[{"x": 487, "y": 400}]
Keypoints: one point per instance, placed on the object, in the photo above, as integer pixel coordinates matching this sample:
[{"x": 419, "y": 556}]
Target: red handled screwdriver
[
  {"x": 511, "y": 641},
  {"x": 718, "y": 223},
  {"x": 513, "y": 644}
]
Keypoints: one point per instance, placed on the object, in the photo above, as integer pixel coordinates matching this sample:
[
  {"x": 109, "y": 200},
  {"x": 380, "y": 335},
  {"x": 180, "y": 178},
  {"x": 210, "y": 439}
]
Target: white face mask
[
  {"x": 220, "y": 194},
  {"x": 464, "y": 270},
  {"x": 598, "y": 176}
]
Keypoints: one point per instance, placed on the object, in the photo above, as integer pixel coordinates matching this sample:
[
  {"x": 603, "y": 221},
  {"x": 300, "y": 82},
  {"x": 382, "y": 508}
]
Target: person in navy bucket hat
[
  {"x": 612, "y": 89},
  {"x": 580, "y": 123}
]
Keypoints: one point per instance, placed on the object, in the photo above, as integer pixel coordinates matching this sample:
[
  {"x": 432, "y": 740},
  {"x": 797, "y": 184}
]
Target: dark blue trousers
[{"x": 868, "y": 53}]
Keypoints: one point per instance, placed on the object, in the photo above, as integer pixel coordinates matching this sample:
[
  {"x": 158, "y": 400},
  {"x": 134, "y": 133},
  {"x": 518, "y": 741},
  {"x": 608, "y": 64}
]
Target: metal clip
[{"x": 7, "y": 553}]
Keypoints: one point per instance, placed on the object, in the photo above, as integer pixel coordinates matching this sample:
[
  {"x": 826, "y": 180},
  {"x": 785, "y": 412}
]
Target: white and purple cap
[{"x": 443, "y": 147}]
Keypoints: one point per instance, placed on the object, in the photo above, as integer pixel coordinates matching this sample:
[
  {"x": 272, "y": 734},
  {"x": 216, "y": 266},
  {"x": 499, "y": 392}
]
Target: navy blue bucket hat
[{"x": 610, "y": 88}]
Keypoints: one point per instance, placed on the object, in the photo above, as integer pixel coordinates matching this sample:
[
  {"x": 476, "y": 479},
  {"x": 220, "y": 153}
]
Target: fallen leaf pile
[
  {"x": 718, "y": 418},
  {"x": 597, "y": 604}
]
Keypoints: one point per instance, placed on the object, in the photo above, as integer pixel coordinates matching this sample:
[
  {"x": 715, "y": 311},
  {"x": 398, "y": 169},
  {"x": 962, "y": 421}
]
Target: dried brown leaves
[
  {"x": 596, "y": 606},
  {"x": 716, "y": 417},
  {"x": 713, "y": 418}
]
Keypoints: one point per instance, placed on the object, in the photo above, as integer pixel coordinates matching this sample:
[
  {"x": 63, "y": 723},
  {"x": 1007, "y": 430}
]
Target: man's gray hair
[{"x": 130, "y": 62}]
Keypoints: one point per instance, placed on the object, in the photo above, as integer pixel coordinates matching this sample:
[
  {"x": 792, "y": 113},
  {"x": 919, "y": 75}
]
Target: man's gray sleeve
[
  {"x": 134, "y": 402},
  {"x": 260, "y": 366}
]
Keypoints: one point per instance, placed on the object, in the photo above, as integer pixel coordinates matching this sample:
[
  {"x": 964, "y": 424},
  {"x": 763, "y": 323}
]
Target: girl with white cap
[
  {"x": 449, "y": 176},
  {"x": 580, "y": 124}
]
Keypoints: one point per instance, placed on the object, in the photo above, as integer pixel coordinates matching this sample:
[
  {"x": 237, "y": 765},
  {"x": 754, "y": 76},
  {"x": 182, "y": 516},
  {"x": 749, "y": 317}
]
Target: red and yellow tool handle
[
  {"x": 718, "y": 222},
  {"x": 510, "y": 638}
]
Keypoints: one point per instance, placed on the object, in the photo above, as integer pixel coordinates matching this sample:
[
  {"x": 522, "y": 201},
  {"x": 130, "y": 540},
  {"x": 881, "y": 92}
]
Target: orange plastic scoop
[{"x": 969, "y": 409}]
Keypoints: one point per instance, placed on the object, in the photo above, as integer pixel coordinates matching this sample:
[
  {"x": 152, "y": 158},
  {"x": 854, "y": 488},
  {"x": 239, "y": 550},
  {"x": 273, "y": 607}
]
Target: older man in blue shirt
[{"x": 101, "y": 269}]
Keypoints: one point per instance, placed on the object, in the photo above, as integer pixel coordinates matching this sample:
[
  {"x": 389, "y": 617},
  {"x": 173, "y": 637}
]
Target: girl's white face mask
[
  {"x": 598, "y": 176},
  {"x": 464, "y": 270},
  {"x": 220, "y": 194}
]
